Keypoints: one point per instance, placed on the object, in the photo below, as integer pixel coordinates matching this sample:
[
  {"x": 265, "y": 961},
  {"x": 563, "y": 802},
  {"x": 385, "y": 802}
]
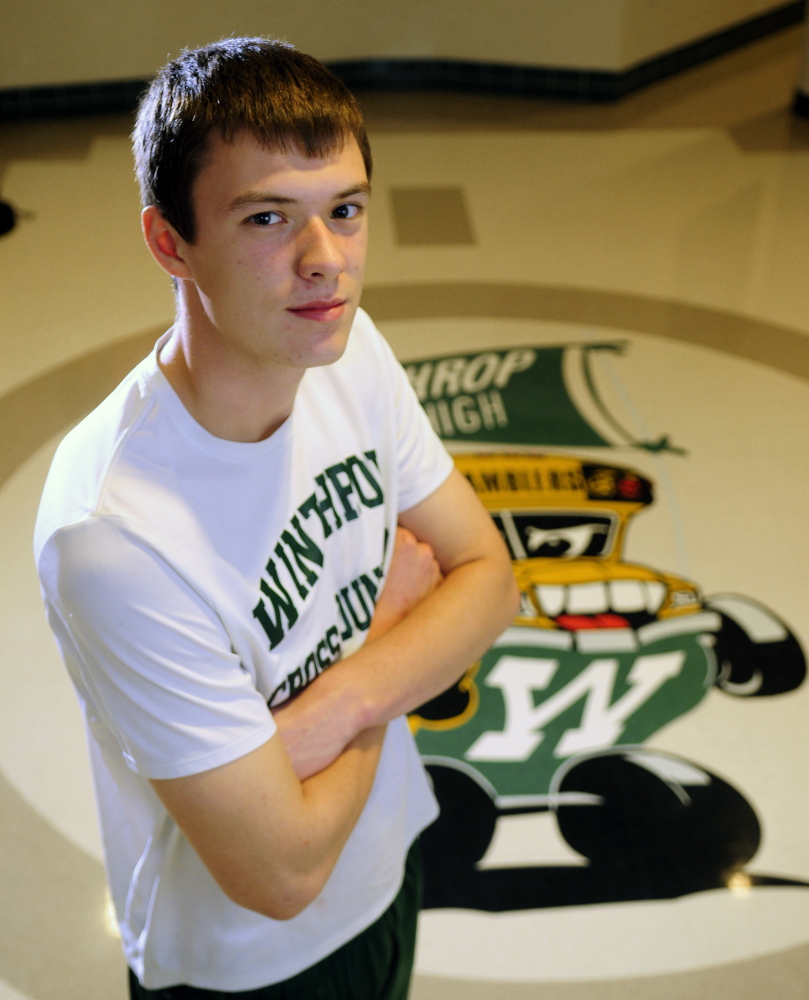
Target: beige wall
[
  {"x": 653, "y": 26},
  {"x": 72, "y": 41}
]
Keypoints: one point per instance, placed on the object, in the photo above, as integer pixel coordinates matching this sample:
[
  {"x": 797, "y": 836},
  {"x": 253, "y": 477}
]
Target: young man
[{"x": 212, "y": 541}]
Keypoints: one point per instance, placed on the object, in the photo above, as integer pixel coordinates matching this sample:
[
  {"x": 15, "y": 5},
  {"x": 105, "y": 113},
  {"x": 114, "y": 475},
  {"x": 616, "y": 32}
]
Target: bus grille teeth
[{"x": 619, "y": 596}]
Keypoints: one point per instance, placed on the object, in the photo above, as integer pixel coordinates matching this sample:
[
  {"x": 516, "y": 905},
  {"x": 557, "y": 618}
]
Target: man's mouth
[{"x": 320, "y": 310}]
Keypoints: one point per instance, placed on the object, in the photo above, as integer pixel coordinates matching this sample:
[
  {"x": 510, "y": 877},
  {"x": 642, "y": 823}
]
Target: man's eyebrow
[
  {"x": 270, "y": 198},
  {"x": 364, "y": 188},
  {"x": 260, "y": 198}
]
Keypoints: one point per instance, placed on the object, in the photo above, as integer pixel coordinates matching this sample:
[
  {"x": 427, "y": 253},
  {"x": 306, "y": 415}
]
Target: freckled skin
[
  {"x": 270, "y": 285},
  {"x": 252, "y": 263}
]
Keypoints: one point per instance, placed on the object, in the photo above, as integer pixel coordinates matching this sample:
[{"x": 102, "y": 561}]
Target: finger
[
  {"x": 404, "y": 537},
  {"x": 425, "y": 551}
]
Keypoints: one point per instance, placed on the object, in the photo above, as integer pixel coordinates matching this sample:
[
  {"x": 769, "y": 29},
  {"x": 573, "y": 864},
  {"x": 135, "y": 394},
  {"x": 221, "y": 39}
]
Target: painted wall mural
[{"x": 605, "y": 651}]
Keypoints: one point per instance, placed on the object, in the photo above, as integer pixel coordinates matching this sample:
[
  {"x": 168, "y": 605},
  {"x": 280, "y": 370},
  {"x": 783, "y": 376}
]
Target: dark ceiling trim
[
  {"x": 106, "y": 97},
  {"x": 553, "y": 82}
]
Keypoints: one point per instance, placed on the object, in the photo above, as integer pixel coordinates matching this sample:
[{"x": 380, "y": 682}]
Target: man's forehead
[
  {"x": 244, "y": 163},
  {"x": 244, "y": 144}
]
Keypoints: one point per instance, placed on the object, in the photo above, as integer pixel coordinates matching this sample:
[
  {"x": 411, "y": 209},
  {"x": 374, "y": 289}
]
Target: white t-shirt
[{"x": 190, "y": 581}]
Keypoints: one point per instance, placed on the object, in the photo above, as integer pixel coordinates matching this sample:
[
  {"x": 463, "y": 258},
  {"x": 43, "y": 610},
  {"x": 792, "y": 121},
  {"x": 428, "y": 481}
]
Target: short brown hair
[{"x": 285, "y": 98}]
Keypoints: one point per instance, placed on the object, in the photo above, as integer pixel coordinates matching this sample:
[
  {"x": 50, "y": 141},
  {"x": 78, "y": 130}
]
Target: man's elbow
[
  {"x": 286, "y": 906},
  {"x": 277, "y": 901}
]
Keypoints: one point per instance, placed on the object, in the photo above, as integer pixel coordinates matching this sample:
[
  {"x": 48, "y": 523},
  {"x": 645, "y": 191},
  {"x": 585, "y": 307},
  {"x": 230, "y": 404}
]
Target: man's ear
[{"x": 164, "y": 242}]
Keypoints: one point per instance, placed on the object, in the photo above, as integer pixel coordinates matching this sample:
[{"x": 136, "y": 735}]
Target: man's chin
[
  {"x": 328, "y": 348},
  {"x": 333, "y": 345},
  {"x": 334, "y": 352}
]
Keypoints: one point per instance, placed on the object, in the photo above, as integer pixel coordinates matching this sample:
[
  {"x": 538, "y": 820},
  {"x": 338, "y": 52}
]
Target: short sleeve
[
  {"x": 147, "y": 654},
  {"x": 423, "y": 462}
]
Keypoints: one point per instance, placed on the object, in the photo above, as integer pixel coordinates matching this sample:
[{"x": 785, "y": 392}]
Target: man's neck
[{"x": 228, "y": 395}]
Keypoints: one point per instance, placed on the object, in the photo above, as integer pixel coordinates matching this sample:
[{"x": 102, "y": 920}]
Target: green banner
[{"x": 515, "y": 396}]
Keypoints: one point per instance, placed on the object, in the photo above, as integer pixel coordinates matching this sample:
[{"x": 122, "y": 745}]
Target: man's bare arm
[
  {"x": 270, "y": 840},
  {"x": 407, "y": 662},
  {"x": 230, "y": 814}
]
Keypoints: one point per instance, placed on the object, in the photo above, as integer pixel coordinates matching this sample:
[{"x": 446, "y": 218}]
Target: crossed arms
[{"x": 271, "y": 825}]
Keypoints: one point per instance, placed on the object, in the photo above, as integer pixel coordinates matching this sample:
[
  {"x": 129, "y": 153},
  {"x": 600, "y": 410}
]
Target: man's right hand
[
  {"x": 413, "y": 575},
  {"x": 312, "y": 729}
]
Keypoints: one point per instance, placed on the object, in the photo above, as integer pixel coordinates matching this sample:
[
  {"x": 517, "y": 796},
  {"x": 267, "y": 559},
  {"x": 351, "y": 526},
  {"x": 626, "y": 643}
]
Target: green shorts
[{"x": 375, "y": 965}]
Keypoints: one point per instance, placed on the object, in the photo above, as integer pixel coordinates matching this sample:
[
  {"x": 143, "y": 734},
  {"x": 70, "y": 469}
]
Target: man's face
[{"x": 278, "y": 259}]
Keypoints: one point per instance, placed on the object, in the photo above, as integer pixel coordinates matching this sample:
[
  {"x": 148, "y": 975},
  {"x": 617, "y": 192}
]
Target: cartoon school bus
[
  {"x": 600, "y": 656},
  {"x": 565, "y": 523}
]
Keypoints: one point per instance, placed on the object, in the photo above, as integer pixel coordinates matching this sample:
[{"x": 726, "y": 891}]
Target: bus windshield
[{"x": 548, "y": 534}]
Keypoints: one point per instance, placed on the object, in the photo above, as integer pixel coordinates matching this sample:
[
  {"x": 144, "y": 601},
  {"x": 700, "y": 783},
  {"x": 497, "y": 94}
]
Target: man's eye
[
  {"x": 346, "y": 212},
  {"x": 265, "y": 218}
]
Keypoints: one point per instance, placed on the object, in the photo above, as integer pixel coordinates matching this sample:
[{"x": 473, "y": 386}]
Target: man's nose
[{"x": 319, "y": 252}]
